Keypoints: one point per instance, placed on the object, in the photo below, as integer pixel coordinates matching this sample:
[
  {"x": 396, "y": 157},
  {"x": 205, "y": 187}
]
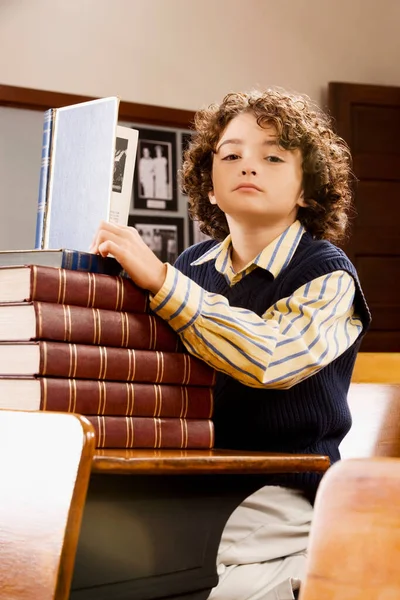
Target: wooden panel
[
  {"x": 375, "y": 272},
  {"x": 383, "y": 166},
  {"x": 374, "y": 129},
  {"x": 368, "y": 118},
  {"x": 376, "y": 228},
  {"x": 18, "y": 97},
  {"x": 381, "y": 341}
]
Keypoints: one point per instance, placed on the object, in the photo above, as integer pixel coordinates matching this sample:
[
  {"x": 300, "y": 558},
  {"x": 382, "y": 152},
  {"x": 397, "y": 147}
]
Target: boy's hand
[{"x": 126, "y": 245}]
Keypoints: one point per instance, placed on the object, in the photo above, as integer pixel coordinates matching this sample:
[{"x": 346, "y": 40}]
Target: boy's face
[{"x": 256, "y": 183}]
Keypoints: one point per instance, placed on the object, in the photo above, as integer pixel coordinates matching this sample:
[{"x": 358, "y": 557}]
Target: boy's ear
[
  {"x": 211, "y": 197},
  {"x": 301, "y": 201}
]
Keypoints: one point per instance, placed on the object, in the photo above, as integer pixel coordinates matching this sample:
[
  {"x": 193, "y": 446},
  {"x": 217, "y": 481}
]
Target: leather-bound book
[
  {"x": 63, "y": 286},
  {"x": 148, "y": 432},
  {"x": 82, "y": 361},
  {"x": 27, "y": 321},
  {"x": 97, "y": 397}
]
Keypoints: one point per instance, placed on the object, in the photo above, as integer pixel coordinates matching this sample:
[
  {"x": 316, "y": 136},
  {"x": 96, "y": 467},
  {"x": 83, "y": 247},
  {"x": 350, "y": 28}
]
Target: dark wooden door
[{"x": 368, "y": 118}]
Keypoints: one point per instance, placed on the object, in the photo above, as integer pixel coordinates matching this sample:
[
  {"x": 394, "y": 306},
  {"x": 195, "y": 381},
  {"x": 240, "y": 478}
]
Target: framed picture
[
  {"x": 155, "y": 185},
  {"x": 164, "y": 235},
  {"x": 195, "y": 235}
]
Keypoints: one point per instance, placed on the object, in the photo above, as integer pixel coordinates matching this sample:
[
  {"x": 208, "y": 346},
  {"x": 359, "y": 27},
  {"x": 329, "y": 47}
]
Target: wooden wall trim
[{"x": 41, "y": 100}]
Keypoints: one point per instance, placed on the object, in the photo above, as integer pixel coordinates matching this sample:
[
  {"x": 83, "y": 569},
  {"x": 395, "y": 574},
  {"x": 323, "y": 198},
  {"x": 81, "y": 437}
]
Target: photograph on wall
[
  {"x": 155, "y": 182},
  {"x": 164, "y": 235}
]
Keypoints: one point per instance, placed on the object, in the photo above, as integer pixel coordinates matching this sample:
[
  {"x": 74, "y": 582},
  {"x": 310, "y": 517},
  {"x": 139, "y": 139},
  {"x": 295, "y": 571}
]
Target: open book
[{"x": 86, "y": 174}]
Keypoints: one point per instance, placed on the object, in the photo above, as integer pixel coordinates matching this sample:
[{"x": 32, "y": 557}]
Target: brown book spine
[
  {"x": 51, "y": 284},
  {"x": 89, "y": 397},
  {"x": 142, "y": 432},
  {"x": 80, "y": 361},
  {"x": 83, "y": 325}
]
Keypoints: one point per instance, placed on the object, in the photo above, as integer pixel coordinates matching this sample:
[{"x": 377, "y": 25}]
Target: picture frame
[
  {"x": 155, "y": 181},
  {"x": 164, "y": 235}
]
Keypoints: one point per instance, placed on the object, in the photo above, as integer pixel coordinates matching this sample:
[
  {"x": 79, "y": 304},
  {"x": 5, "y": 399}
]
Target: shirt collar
[{"x": 273, "y": 258}]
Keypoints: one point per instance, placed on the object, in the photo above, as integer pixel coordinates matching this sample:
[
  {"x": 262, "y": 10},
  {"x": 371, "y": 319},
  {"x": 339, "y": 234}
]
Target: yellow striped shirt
[{"x": 292, "y": 340}]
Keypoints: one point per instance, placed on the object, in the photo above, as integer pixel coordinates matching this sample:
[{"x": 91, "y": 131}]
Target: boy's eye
[
  {"x": 230, "y": 157},
  {"x": 274, "y": 159}
]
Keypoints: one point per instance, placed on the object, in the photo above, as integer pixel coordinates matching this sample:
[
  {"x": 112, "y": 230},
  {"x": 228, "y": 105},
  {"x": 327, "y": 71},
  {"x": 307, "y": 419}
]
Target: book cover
[
  {"x": 28, "y": 321},
  {"x": 44, "y": 175},
  {"x": 81, "y": 361},
  {"x": 81, "y": 174},
  {"x": 142, "y": 432},
  {"x": 73, "y": 260},
  {"x": 63, "y": 286},
  {"x": 95, "y": 397}
]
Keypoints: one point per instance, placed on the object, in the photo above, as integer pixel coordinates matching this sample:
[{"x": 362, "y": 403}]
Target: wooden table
[{"x": 153, "y": 519}]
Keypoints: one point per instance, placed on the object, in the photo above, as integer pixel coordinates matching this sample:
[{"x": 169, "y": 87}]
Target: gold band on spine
[
  {"x": 210, "y": 414},
  {"x": 157, "y": 433},
  {"x": 102, "y": 431},
  {"x": 96, "y": 326},
  {"x": 160, "y": 367},
  {"x": 130, "y": 398},
  {"x": 124, "y": 330},
  {"x": 103, "y": 397},
  {"x": 33, "y": 281},
  {"x": 43, "y": 346},
  {"x": 67, "y": 322},
  {"x": 62, "y": 290},
  {"x": 186, "y": 402},
  {"x": 119, "y": 294},
  {"x": 43, "y": 383},
  {"x": 158, "y": 400},
  {"x": 73, "y": 360},
  {"x": 153, "y": 332},
  {"x": 103, "y": 362},
  {"x": 129, "y": 432},
  {"x": 184, "y": 430},
  {"x": 131, "y": 365},
  {"x": 92, "y": 289},
  {"x": 39, "y": 332},
  {"x": 211, "y": 428},
  {"x": 74, "y": 395}
]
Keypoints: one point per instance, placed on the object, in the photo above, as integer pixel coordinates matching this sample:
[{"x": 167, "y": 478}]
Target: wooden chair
[
  {"x": 375, "y": 410},
  {"x": 45, "y": 464},
  {"x": 354, "y": 550},
  {"x": 377, "y": 367}
]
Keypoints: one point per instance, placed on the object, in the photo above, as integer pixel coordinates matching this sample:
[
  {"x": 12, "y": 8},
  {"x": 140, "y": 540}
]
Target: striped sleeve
[{"x": 293, "y": 339}]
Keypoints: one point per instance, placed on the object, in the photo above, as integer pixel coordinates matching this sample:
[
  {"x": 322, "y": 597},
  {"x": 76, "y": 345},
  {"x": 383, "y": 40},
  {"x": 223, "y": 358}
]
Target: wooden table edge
[{"x": 211, "y": 462}]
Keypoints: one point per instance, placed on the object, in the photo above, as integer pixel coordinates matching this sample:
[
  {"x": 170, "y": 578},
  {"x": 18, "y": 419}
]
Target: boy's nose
[{"x": 248, "y": 172}]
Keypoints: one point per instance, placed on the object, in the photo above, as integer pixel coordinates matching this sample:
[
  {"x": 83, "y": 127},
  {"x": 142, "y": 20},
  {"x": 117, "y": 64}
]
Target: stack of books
[{"x": 87, "y": 343}]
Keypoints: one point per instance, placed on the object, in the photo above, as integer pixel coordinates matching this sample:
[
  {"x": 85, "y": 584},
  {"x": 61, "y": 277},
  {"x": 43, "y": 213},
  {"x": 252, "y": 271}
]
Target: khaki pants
[{"x": 263, "y": 547}]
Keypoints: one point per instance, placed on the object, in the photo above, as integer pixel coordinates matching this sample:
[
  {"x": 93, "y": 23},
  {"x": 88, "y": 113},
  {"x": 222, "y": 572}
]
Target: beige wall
[{"x": 184, "y": 53}]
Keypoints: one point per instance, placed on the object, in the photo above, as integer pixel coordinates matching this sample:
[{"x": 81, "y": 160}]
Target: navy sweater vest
[{"x": 310, "y": 417}]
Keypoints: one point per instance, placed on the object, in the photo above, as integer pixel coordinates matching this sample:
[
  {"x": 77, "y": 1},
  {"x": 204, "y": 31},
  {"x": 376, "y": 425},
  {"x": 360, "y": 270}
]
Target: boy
[{"x": 271, "y": 304}]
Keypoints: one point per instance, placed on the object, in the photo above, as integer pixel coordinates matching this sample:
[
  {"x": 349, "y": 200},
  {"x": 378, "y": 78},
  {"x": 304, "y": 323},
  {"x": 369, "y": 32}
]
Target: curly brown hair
[{"x": 326, "y": 160}]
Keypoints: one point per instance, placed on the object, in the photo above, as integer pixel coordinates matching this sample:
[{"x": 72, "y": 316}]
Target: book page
[{"x": 124, "y": 165}]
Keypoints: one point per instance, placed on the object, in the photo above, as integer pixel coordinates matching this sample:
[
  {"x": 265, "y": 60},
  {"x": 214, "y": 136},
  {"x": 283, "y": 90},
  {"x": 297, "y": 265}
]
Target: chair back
[
  {"x": 354, "y": 548},
  {"x": 45, "y": 464},
  {"x": 375, "y": 410},
  {"x": 377, "y": 367}
]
